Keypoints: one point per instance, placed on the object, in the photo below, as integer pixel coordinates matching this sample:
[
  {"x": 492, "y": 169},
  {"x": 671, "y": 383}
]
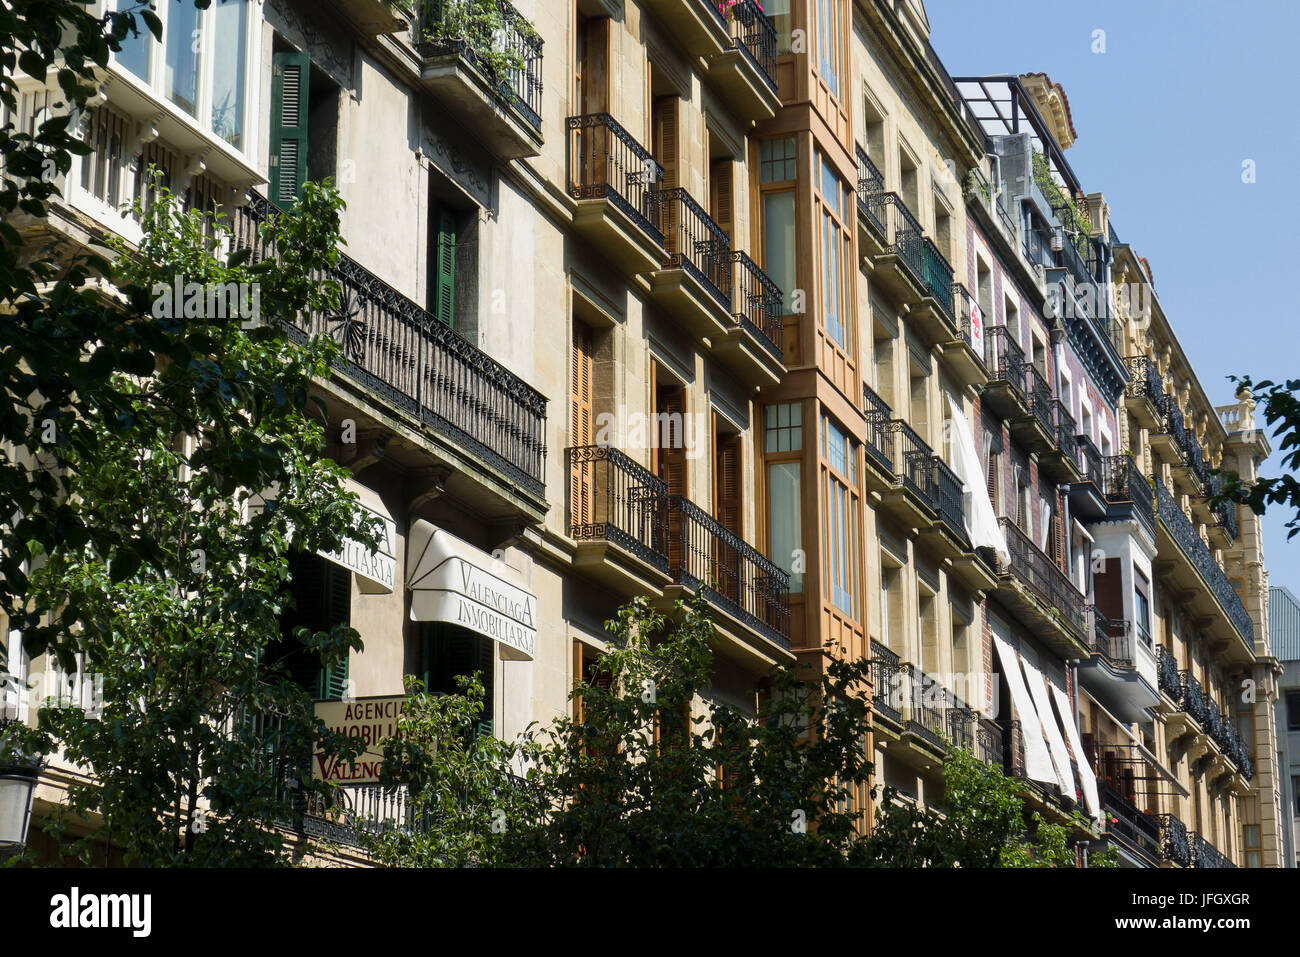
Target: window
[
  {"x": 442, "y": 263},
  {"x": 1293, "y": 710},
  {"x": 829, "y": 32},
  {"x": 322, "y": 598},
  {"x": 840, "y": 516},
  {"x": 1142, "y": 606},
  {"x": 783, "y": 444},
  {"x": 1295, "y": 795},
  {"x": 873, "y": 131},
  {"x": 778, "y": 11},
  {"x": 304, "y": 125},
  {"x": 182, "y": 42},
  {"x": 1012, "y": 319},
  {"x": 777, "y": 171},
  {"x": 230, "y": 53},
  {"x": 832, "y": 200},
  {"x": 929, "y": 619}
]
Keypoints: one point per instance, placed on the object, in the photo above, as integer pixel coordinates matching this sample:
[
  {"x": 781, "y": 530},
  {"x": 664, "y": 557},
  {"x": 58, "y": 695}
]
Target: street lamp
[{"x": 18, "y": 775}]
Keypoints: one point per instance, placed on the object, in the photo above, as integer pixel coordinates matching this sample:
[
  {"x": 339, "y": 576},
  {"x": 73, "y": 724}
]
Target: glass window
[
  {"x": 834, "y": 247},
  {"x": 778, "y": 11},
  {"x": 784, "y": 428},
  {"x": 828, "y": 39},
  {"x": 779, "y": 241},
  {"x": 229, "y": 39},
  {"x": 134, "y": 55},
  {"x": 840, "y": 533},
  {"x": 1295, "y": 794},
  {"x": 1293, "y": 710},
  {"x": 181, "y": 63},
  {"x": 785, "y": 532},
  {"x": 776, "y": 160}
]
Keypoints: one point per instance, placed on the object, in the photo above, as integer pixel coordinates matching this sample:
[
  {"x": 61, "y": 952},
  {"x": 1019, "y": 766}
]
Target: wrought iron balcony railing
[
  {"x": 1174, "y": 844},
  {"x": 1194, "y": 699},
  {"x": 695, "y": 243},
  {"x": 1205, "y": 854},
  {"x": 754, "y": 34},
  {"x": 1225, "y": 513},
  {"x": 1214, "y": 724},
  {"x": 1180, "y": 529},
  {"x": 948, "y": 498},
  {"x": 1065, "y": 431},
  {"x": 707, "y": 556},
  {"x": 756, "y": 302},
  {"x": 1005, "y": 358},
  {"x": 1090, "y": 461},
  {"x": 930, "y": 703},
  {"x": 1040, "y": 397},
  {"x": 886, "y": 687},
  {"x": 1126, "y": 485},
  {"x": 988, "y": 743},
  {"x": 606, "y": 162},
  {"x": 964, "y": 304},
  {"x": 871, "y": 192},
  {"x": 1112, "y": 639},
  {"x": 1035, "y": 569},
  {"x": 936, "y": 276},
  {"x": 1132, "y": 827},
  {"x": 509, "y": 56},
  {"x": 907, "y": 238},
  {"x": 1145, "y": 381},
  {"x": 1168, "y": 675},
  {"x": 420, "y": 365},
  {"x": 913, "y": 462},
  {"x": 880, "y": 444},
  {"x": 616, "y": 500}
]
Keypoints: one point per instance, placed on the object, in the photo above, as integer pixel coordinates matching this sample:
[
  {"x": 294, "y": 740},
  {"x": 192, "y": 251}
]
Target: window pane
[
  {"x": 784, "y": 519},
  {"x": 134, "y": 54},
  {"x": 230, "y": 21},
  {"x": 776, "y": 160},
  {"x": 181, "y": 65},
  {"x": 778, "y": 241},
  {"x": 784, "y": 431},
  {"x": 778, "y": 11}
]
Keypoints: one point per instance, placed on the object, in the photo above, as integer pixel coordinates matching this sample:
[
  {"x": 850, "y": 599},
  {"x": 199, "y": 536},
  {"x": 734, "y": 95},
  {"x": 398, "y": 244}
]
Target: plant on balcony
[
  {"x": 484, "y": 27},
  {"x": 728, "y": 8},
  {"x": 181, "y": 641},
  {"x": 1079, "y": 222}
]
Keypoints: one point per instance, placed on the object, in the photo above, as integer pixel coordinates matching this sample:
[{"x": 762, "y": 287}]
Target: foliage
[
  {"x": 61, "y": 343},
  {"x": 483, "y": 26},
  {"x": 1281, "y": 411},
  {"x": 196, "y": 714},
  {"x": 1075, "y": 212},
  {"x": 981, "y": 822}
]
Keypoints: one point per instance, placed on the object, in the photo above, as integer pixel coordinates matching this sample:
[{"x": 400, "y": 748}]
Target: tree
[
  {"x": 980, "y": 822},
  {"x": 203, "y": 737},
  {"x": 61, "y": 343},
  {"x": 1282, "y": 412}
]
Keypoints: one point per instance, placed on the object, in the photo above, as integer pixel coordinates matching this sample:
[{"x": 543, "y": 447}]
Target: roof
[{"x": 1284, "y": 623}]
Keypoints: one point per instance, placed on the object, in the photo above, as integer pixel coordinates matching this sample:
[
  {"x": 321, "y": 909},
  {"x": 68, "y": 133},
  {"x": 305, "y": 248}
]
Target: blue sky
[{"x": 1184, "y": 93}]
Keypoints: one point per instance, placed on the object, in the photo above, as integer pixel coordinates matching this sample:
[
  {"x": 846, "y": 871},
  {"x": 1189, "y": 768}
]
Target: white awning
[
  {"x": 452, "y": 581},
  {"x": 1066, "y": 714},
  {"x": 981, "y": 520},
  {"x": 1055, "y": 743},
  {"x": 1038, "y": 762}
]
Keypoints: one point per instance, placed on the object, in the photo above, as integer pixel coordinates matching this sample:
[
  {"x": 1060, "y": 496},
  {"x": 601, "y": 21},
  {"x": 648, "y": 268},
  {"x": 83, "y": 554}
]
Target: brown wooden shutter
[
  {"x": 720, "y": 198},
  {"x": 582, "y": 473},
  {"x": 728, "y": 489},
  {"x": 672, "y": 465},
  {"x": 991, "y": 476},
  {"x": 666, "y": 139},
  {"x": 594, "y": 67}
]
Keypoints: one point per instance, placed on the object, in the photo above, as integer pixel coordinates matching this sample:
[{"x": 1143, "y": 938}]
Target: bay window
[
  {"x": 833, "y": 203},
  {"x": 839, "y": 516},
  {"x": 777, "y": 171},
  {"x": 783, "y": 452}
]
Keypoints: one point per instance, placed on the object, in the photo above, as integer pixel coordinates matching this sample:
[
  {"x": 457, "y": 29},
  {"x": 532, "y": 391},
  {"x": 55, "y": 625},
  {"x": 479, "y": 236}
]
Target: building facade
[
  {"x": 1284, "y": 631},
  {"x": 653, "y": 297}
]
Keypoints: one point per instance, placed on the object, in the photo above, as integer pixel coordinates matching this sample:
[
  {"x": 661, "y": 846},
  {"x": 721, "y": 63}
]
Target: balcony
[
  {"x": 1136, "y": 832},
  {"x": 913, "y": 497},
  {"x": 879, "y": 444},
  {"x": 707, "y": 557},
  {"x": 373, "y": 17},
  {"x": 1127, "y": 493},
  {"x": 1171, "y": 679},
  {"x": 699, "y": 26},
  {"x": 886, "y": 694},
  {"x": 488, "y": 424},
  {"x": 1178, "y": 444},
  {"x": 753, "y": 343},
  {"x": 613, "y": 180},
  {"x": 1144, "y": 396},
  {"x": 695, "y": 281},
  {"x": 1175, "y": 848},
  {"x": 1205, "y": 854},
  {"x": 1122, "y": 673},
  {"x": 1061, "y": 460},
  {"x": 1036, "y": 431},
  {"x": 491, "y": 82},
  {"x": 964, "y": 354},
  {"x": 1110, "y": 639},
  {"x": 632, "y": 536},
  {"x": 1088, "y": 492},
  {"x": 1222, "y": 519},
  {"x": 913, "y": 270},
  {"x": 745, "y": 72},
  {"x": 873, "y": 231},
  {"x": 1190, "y": 560},
  {"x": 1043, "y": 595},
  {"x": 1005, "y": 393}
]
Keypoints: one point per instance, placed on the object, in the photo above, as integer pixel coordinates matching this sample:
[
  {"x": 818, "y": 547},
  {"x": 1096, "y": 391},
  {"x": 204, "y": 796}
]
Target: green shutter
[
  {"x": 290, "y": 74},
  {"x": 448, "y": 652},
  {"x": 332, "y": 683},
  {"x": 445, "y": 280}
]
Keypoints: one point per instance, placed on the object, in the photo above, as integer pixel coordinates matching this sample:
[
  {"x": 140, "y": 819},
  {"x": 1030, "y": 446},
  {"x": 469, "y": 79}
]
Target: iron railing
[
  {"x": 1135, "y": 829},
  {"x": 711, "y": 558},
  {"x": 1111, "y": 639},
  {"x": 1214, "y": 725},
  {"x": 1145, "y": 381},
  {"x": 1036, "y": 570},
  {"x": 1168, "y": 675},
  {"x": 988, "y": 742},
  {"x": 606, "y": 162},
  {"x": 913, "y": 462},
  {"x": 947, "y": 489},
  {"x": 616, "y": 500},
  {"x": 1193, "y": 702},
  {"x": 871, "y": 192},
  {"x": 756, "y": 302},
  {"x": 930, "y": 701},
  {"x": 964, "y": 304},
  {"x": 1180, "y": 529},
  {"x": 695, "y": 243},
  {"x": 1065, "y": 431},
  {"x": 886, "y": 690},
  {"x": 936, "y": 276},
  {"x": 1090, "y": 460},
  {"x": 907, "y": 239},
  {"x": 1125, "y": 485},
  {"x": 1205, "y": 854},
  {"x": 1040, "y": 397},
  {"x": 880, "y": 444},
  {"x": 1225, "y": 513},
  {"x": 1005, "y": 358},
  {"x": 1174, "y": 844},
  {"x": 418, "y": 364},
  {"x": 451, "y": 26},
  {"x": 754, "y": 35}
]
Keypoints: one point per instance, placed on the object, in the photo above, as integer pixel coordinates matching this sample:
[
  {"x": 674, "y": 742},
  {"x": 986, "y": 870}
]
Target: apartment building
[{"x": 1284, "y": 632}]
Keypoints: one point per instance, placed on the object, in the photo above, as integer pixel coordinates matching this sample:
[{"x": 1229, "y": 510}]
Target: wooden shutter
[
  {"x": 582, "y": 474},
  {"x": 666, "y": 139},
  {"x": 450, "y": 653},
  {"x": 672, "y": 465},
  {"x": 332, "y": 682},
  {"x": 728, "y": 489},
  {"x": 290, "y": 74},
  {"x": 445, "y": 265},
  {"x": 593, "y": 69},
  {"x": 720, "y": 198}
]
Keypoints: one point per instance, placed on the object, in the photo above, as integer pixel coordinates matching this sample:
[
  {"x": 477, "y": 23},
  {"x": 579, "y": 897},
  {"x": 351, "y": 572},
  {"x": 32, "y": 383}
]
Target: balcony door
[
  {"x": 668, "y": 450},
  {"x": 728, "y": 489},
  {"x": 590, "y": 96},
  {"x": 582, "y": 469}
]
